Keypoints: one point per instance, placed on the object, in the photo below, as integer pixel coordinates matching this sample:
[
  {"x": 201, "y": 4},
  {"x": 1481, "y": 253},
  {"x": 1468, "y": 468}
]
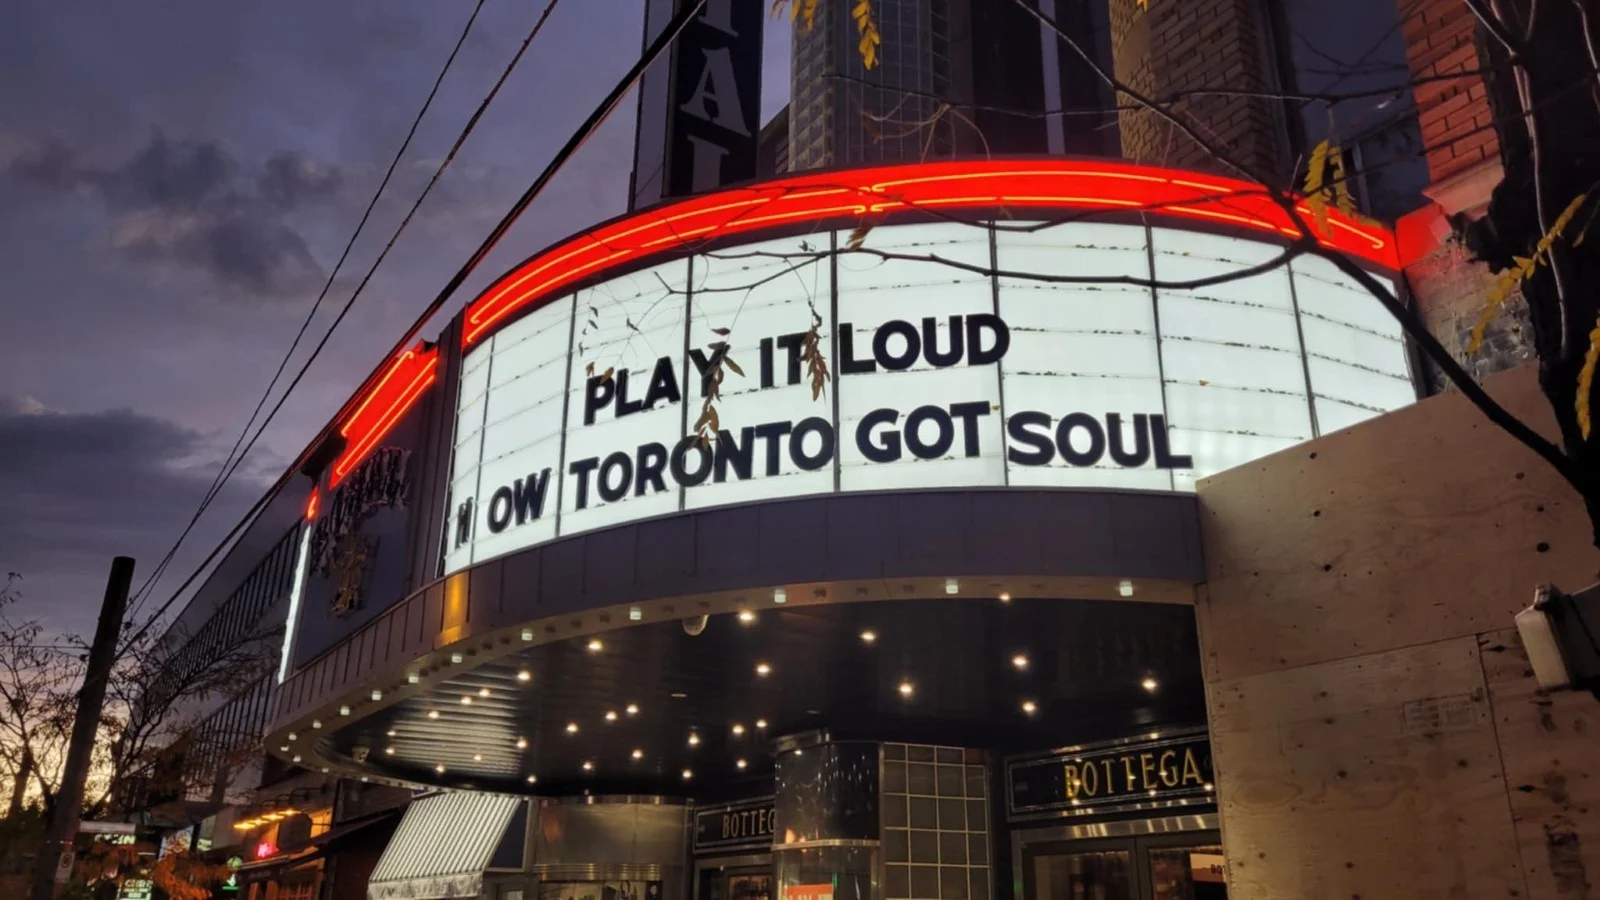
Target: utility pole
[{"x": 55, "y": 857}]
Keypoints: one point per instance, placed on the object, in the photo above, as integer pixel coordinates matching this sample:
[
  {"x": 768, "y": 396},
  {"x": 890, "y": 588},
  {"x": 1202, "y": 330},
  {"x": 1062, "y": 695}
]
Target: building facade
[
  {"x": 714, "y": 561},
  {"x": 914, "y": 619}
]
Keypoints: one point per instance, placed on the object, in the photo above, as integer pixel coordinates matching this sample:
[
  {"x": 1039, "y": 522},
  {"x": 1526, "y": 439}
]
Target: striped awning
[{"x": 442, "y": 847}]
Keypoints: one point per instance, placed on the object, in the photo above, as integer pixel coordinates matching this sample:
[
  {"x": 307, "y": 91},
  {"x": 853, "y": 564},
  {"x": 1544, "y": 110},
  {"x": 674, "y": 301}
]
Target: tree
[{"x": 158, "y": 688}]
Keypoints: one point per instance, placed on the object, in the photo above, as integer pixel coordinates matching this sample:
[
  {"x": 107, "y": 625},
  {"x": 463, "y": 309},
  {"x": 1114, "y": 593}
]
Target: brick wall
[
  {"x": 1464, "y": 165},
  {"x": 1181, "y": 45},
  {"x": 1454, "y": 114}
]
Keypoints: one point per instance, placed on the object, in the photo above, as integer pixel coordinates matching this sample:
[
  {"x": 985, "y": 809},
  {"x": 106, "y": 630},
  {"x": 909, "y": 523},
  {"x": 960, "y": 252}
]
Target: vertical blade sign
[{"x": 716, "y": 99}]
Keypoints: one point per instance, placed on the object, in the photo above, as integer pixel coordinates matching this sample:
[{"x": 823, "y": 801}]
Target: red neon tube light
[
  {"x": 1044, "y": 184},
  {"x": 406, "y": 379}
]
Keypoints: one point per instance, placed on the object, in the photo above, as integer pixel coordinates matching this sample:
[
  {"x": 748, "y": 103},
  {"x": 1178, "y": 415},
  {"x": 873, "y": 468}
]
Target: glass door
[{"x": 1086, "y": 874}]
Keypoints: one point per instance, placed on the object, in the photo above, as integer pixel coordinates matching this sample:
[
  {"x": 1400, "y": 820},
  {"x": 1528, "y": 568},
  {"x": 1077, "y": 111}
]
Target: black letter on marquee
[
  {"x": 797, "y": 451},
  {"x": 1043, "y": 450},
  {"x": 793, "y": 344},
  {"x": 652, "y": 461},
  {"x": 597, "y": 394},
  {"x": 625, "y": 407},
  {"x": 880, "y": 345},
  {"x": 941, "y": 444},
  {"x": 582, "y": 468},
  {"x": 1164, "y": 457},
  {"x": 890, "y": 450},
  {"x": 976, "y": 355},
  {"x": 464, "y": 522},
  {"x": 930, "y": 342},
  {"x": 848, "y": 364},
  {"x": 766, "y": 362},
  {"x": 968, "y": 413},
  {"x": 1141, "y": 440},
  {"x": 703, "y": 365},
  {"x": 617, "y": 461},
  {"x": 680, "y": 471},
  {"x": 739, "y": 455},
  {"x": 1097, "y": 439},
  {"x": 771, "y": 433},
  {"x": 663, "y": 384},
  {"x": 500, "y": 510},
  {"x": 529, "y": 496}
]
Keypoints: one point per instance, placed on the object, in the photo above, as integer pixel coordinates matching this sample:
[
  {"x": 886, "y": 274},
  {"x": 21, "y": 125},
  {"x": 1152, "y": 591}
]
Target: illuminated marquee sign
[
  {"x": 1164, "y": 771},
  {"x": 582, "y": 413}
]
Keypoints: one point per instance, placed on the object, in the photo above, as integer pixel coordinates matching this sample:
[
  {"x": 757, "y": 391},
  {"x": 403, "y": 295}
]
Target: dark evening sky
[{"x": 176, "y": 180}]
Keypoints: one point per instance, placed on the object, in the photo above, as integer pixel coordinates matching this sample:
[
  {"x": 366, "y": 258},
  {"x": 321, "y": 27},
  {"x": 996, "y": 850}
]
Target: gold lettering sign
[{"x": 1146, "y": 771}]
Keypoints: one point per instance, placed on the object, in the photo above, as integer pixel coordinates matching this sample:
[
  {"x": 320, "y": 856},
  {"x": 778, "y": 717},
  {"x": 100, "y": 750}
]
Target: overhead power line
[
  {"x": 235, "y": 457},
  {"x": 584, "y": 131}
]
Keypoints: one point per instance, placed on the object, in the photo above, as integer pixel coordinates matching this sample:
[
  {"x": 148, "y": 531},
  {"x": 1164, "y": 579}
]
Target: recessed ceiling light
[
  {"x": 1150, "y": 684},
  {"x": 389, "y": 750},
  {"x": 952, "y": 586},
  {"x": 638, "y": 754},
  {"x": 780, "y": 596},
  {"x": 688, "y": 774},
  {"x": 868, "y": 636},
  {"x": 746, "y": 616},
  {"x": 588, "y": 766},
  {"x": 694, "y": 739},
  {"x": 524, "y": 675},
  {"x": 1154, "y": 735},
  {"x": 635, "y": 614},
  {"x": 740, "y": 763},
  {"x": 466, "y": 700},
  {"x": 1005, "y": 597},
  {"x": 455, "y": 659},
  {"x": 297, "y": 757},
  {"x": 316, "y": 723},
  {"x": 1125, "y": 588},
  {"x": 763, "y": 669},
  {"x": 522, "y": 743},
  {"x": 439, "y": 768},
  {"x": 377, "y": 695},
  {"x": 527, "y": 634},
  {"x": 483, "y": 692},
  {"x": 1029, "y": 707},
  {"x": 284, "y": 749},
  {"x": 611, "y": 715},
  {"x": 595, "y": 645},
  {"x": 761, "y": 723},
  {"x": 1210, "y": 786},
  {"x": 631, "y": 709},
  {"x": 433, "y": 714},
  {"x": 477, "y": 757},
  {"x": 572, "y": 728},
  {"x": 906, "y": 689},
  {"x": 533, "y": 779},
  {"x": 737, "y": 728},
  {"x": 391, "y": 732},
  {"x": 1020, "y": 661},
  {"x": 291, "y": 735},
  {"x": 412, "y": 678}
]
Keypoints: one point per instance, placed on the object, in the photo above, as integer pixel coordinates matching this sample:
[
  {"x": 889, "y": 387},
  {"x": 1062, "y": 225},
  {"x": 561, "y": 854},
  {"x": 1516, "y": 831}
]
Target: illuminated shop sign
[
  {"x": 736, "y": 825},
  {"x": 1163, "y": 771},
  {"x": 584, "y": 413}
]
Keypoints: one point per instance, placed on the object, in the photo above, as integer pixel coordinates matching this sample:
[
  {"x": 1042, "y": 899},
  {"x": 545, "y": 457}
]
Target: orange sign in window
[{"x": 808, "y": 892}]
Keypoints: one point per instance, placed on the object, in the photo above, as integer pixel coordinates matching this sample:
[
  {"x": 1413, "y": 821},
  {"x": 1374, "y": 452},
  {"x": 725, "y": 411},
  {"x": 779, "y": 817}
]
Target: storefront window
[{"x": 1187, "y": 873}]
